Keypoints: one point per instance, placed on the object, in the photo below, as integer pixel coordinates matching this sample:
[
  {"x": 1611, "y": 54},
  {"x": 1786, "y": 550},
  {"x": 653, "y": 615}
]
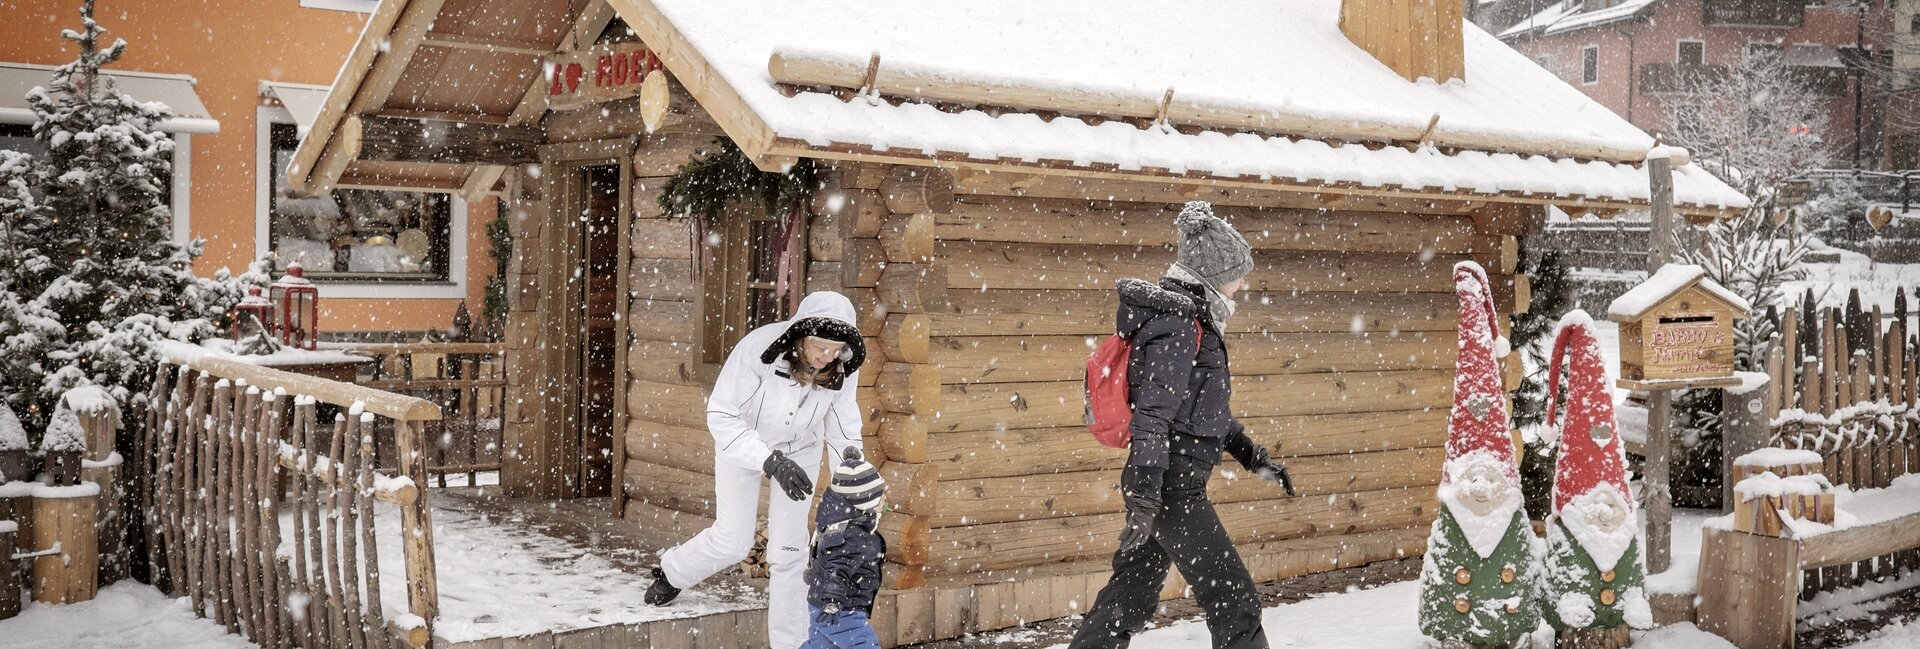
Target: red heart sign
[{"x": 573, "y": 76}]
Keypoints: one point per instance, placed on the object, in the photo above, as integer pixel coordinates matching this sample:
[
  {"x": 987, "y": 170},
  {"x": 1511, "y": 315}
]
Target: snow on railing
[{"x": 265, "y": 516}]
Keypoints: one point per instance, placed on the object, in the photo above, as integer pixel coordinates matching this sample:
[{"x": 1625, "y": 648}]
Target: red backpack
[{"x": 1109, "y": 408}]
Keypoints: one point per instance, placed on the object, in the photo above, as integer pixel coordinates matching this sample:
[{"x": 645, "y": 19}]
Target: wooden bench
[{"x": 1750, "y": 583}]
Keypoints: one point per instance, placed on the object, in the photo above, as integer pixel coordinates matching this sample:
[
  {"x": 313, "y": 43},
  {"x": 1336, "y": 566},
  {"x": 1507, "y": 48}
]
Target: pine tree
[
  {"x": 94, "y": 280},
  {"x": 64, "y": 433}
]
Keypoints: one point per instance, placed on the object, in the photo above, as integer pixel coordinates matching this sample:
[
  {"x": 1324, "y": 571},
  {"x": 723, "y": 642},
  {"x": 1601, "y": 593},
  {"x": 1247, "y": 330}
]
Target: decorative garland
[{"x": 705, "y": 186}]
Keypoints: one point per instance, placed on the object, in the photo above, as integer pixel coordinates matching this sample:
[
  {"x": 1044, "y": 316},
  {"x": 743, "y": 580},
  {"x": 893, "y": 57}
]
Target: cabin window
[
  {"x": 361, "y": 235},
  {"x": 1691, "y": 53},
  {"x": 1590, "y": 64},
  {"x": 742, "y": 281}
]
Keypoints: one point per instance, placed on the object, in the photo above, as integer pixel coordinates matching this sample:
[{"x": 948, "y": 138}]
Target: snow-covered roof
[
  {"x": 1286, "y": 59},
  {"x": 174, "y": 90},
  {"x": 1671, "y": 279},
  {"x": 1568, "y": 15}
]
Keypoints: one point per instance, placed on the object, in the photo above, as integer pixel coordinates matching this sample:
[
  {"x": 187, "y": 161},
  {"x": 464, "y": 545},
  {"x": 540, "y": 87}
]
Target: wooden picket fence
[
  {"x": 262, "y": 492},
  {"x": 468, "y": 380},
  {"x": 1846, "y": 383}
]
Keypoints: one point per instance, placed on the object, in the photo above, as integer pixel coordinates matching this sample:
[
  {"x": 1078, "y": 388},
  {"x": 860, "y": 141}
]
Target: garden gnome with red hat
[
  {"x": 1593, "y": 579},
  {"x": 1476, "y": 587}
]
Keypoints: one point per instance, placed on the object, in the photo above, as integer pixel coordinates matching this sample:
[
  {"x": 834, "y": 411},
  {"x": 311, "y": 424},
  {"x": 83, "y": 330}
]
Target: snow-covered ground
[
  {"x": 1876, "y": 282},
  {"x": 1378, "y": 618},
  {"x": 126, "y": 615}
]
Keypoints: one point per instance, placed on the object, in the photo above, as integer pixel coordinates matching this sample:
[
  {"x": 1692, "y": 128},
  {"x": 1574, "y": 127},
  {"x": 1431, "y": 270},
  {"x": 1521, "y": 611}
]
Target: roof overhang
[
  {"x": 174, "y": 90},
  {"x": 402, "y": 29}
]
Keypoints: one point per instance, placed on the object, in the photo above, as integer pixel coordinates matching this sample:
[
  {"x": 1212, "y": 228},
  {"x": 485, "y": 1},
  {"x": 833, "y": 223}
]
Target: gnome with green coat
[
  {"x": 1476, "y": 588},
  {"x": 1594, "y": 581}
]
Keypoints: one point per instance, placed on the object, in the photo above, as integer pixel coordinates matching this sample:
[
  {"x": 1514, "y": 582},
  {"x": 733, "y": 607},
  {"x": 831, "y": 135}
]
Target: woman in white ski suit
[{"x": 758, "y": 413}]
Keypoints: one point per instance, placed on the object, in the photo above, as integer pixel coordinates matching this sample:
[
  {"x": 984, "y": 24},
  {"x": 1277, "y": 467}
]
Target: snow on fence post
[
  {"x": 65, "y": 528},
  {"x": 99, "y": 416},
  {"x": 232, "y": 441},
  {"x": 1744, "y": 426}
]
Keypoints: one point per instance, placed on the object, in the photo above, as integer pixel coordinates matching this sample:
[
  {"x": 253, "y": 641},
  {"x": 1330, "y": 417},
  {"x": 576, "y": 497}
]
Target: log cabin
[{"x": 986, "y": 172}]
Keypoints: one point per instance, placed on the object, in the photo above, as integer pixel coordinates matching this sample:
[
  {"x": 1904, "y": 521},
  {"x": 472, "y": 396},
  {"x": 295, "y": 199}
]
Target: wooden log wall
[
  {"x": 234, "y": 473},
  {"x": 1845, "y": 381},
  {"x": 668, "y": 459},
  {"x": 1343, "y": 361}
]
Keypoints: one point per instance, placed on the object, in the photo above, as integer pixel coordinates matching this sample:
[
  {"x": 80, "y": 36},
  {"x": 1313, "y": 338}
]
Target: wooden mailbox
[{"x": 1676, "y": 330}]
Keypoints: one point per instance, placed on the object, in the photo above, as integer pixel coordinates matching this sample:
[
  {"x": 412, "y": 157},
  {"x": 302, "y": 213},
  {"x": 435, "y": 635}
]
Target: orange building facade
[{"x": 401, "y": 261}]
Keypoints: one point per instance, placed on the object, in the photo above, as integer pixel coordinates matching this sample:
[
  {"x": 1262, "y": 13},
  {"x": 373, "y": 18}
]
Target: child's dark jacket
[{"x": 847, "y": 551}]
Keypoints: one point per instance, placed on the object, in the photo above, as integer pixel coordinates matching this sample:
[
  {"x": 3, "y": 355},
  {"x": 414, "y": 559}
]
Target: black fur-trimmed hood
[
  {"x": 823, "y": 314},
  {"x": 1141, "y": 300}
]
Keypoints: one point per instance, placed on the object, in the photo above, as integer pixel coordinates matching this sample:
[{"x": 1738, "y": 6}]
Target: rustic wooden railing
[
  {"x": 261, "y": 491},
  {"x": 1845, "y": 382},
  {"x": 469, "y": 383}
]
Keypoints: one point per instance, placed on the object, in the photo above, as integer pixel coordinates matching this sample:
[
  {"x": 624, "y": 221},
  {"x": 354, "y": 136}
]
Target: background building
[{"x": 247, "y": 77}]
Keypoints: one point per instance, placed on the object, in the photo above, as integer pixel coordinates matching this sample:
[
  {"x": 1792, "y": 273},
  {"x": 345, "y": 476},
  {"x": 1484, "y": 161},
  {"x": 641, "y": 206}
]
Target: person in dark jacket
[
  {"x": 1181, "y": 425},
  {"x": 844, "y": 573}
]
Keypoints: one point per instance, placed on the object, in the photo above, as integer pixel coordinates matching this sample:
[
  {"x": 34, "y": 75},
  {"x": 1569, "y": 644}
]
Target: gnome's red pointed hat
[
  {"x": 1479, "y": 420},
  {"x": 1590, "y": 452}
]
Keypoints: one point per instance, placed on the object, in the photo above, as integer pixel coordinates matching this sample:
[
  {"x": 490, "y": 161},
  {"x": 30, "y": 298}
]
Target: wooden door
[{"x": 598, "y": 266}]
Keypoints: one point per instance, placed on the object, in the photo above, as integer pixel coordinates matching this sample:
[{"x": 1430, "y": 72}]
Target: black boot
[{"x": 661, "y": 592}]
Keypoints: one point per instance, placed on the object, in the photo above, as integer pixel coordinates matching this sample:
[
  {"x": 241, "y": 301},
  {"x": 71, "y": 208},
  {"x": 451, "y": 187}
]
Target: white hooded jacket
[{"x": 753, "y": 411}]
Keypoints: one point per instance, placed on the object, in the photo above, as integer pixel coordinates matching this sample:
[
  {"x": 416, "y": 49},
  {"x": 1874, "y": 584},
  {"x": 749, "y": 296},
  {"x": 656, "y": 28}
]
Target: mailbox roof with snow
[{"x": 1677, "y": 326}]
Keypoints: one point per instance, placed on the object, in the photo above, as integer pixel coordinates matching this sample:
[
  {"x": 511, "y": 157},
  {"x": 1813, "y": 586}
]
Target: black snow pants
[{"x": 1187, "y": 534}]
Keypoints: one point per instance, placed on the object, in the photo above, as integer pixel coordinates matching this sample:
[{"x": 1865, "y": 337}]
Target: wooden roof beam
[
  {"x": 483, "y": 44},
  {"x": 720, "y": 100},
  {"x": 302, "y": 175},
  {"x": 396, "y": 139},
  {"x": 405, "y": 41}
]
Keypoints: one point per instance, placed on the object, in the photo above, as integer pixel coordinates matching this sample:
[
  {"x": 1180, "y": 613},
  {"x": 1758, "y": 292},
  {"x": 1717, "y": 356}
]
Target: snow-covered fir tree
[
  {"x": 94, "y": 279},
  {"x": 64, "y": 433},
  {"x": 13, "y": 434}
]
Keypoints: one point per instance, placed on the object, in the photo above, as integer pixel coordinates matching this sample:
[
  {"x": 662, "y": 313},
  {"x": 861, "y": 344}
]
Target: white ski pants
[{"x": 736, "y": 494}]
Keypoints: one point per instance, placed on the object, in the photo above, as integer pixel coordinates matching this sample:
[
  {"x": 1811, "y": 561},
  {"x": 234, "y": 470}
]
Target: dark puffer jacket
[
  {"x": 1181, "y": 392},
  {"x": 845, "y": 568}
]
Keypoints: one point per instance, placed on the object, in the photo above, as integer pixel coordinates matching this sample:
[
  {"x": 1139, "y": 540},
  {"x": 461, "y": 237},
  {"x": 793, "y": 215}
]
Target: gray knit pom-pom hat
[{"x": 1209, "y": 248}]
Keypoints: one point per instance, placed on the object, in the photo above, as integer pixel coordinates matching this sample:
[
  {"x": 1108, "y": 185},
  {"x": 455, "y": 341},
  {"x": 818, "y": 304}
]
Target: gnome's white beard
[
  {"x": 1483, "y": 497},
  {"x": 1602, "y": 520}
]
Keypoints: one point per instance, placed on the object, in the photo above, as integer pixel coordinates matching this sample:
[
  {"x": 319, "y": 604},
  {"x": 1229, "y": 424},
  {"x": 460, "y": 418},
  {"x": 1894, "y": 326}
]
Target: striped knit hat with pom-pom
[{"x": 858, "y": 482}]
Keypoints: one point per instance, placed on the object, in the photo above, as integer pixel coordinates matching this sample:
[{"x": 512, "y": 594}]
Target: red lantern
[
  {"x": 253, "y": 316},
  {"x": 296, "y": 308}
]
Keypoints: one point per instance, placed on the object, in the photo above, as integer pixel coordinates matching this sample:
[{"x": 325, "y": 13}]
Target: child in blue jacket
[{"x": 844, "y": 573}]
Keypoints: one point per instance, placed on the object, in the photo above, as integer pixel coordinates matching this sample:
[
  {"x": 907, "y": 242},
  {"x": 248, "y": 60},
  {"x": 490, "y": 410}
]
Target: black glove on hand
[
  {"x": 1276, "y": 474},
  {"x": 1141, "y": 487},
  {"x": 789, "y": 475},
  {"x": 1260, "y": 462}
]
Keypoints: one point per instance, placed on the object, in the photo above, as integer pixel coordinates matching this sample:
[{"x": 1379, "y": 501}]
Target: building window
[
  {"x": 1590, "y": 64},
  {"x": 356, "y": 234},
  {"x": 1691, "y": 53},
  {"x": 1763, "y": 50},
  {"x": 1913, "y": 24},
  {"x": 742, "y": 288}
]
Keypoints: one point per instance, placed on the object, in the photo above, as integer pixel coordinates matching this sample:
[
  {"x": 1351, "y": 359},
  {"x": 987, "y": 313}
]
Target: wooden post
[
  {"x": 65, "y": 519},
  {"x": 1749, "y": 588},
  {"x": 416, "y": 527},
  {"x": 1743, "y": 430},
  {"x": 9, "y": 570},
  {"x": 1659, "y": 500},
  {"x": 1659, "y": 497}
]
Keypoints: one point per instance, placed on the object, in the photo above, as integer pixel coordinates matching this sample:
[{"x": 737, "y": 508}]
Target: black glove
[
  {"x": 1141, "y": 487},
  {"x": 791, "y": 477},
  {"x": 1256, "y": 459}
]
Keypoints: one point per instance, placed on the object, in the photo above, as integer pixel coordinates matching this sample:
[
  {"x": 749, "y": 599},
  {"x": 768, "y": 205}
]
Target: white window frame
[
  {"x": 455, "y": 288},
  {"x": 1595, "y": 49},
  {"x": 1682, "y": 41},
  {"x": 356, "y": 6}
]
